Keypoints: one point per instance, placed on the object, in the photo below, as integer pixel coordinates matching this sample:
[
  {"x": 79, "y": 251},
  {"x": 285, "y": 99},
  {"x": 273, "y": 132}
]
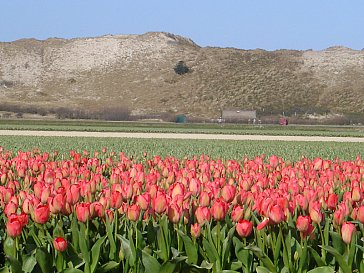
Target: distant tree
[{"x": 181, "y": 68}]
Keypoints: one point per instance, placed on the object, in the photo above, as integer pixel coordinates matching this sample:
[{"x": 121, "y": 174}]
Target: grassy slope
[{"x": 270, "y": 82}]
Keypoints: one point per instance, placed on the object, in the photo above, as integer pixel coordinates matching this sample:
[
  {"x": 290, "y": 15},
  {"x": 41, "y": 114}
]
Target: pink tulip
[
  {"x": 195, "y": 230},
  {"x": 60, "y": 244},
  {"x": 219, "y": 209},
  {"x": 347, "y": 231},
  {"x": 159, "y": 203},
  {"x": 202, "y": 215},
  {"x": 244, "y": 228},
  {"x": 237, "y": 213},
  {"x": 83, "y": 212},
  {"x": 276, "y": 214},
  {"x": 41, "y": 213},
  {"x": 133, "y": 212},
  {"x": 13, "y": 227}
]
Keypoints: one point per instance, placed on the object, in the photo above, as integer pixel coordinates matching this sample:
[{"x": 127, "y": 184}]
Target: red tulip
[
  {"x": 315, "y": 213},
  {"x": 83, "y": 212},
  {"x": 195, "y": 230},
  {"x": 237, "y": 213},
  {"x": 133, "y": 212},
  {"x": 13, "y": 227},
  {"x": 303, "y": 223},
  {"x": 360, "y": 214},
  {"x": 356, "y": 194},
  {"x": 159, "y": 203},
  {"x": 332, "y": 201},
  {"x": 204, "y": 199},
  {"x": 97, "y": 210},
  {"x": 276, "y": 214},
  {"x": 244, "y": 228},
  {"x": 41, "y": 213},
  {"x": 143, "y": 201},
  {"x": 202, "y": 215},
  {"x": 60, "y": 244},
  {"x": 174, "y": 213},
  {"x": 219, "y": 209},
  {"x": 347, "y": 231},
  {"x": 116, "y": 199},
  {"x": 56, "y": 203},
  {"x": 228, "y": 193},
  {"x": 263, "y": 224}
]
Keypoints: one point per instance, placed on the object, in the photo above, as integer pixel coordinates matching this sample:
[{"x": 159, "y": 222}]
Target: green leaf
[
  {"x": 316, "y": 256},
  {"x": 150, "y": 263},
  {"x": 241, "y": 253},
  {"x": 263, "y": 257},
  {"x": 204, "y": 265},
  {"x": 337, "y": 242},
  {"x": 29, "y": 261},
  {"x": 130, "y": 253},
  {"x": 277, "y": 247},
  {"x": 287, "y": 254},
  {"x": 75, "y": 233},
  {"x": 168, "y": 267},
  {"x": 15, "y": 265},
  {"x": 109, "y": 231},
  {"x": 9, "y": 247},
  {"x": 72, "y": 270},
  {"x": 261, "y": 269},
  {"x": 210, "y": 251},
  {"x": 229, "y": 271},
  {"x": 44, "y": 259},
  {"x": 163, "y": 239},
  {"x": 236, "y": 265},
  {"x": 322, "y": 269},
  {"x": 95, "y": 252},
  {"x": 339, "y": 258},
  {"x": 83, "y": 246},
  {"x": 4, "y": 270},
  {"x": 303, "y": 257},
  {"x": 191, "y": 249},
  {"x": 107, "y": 267},
  {"x": 226, "y": 246}
]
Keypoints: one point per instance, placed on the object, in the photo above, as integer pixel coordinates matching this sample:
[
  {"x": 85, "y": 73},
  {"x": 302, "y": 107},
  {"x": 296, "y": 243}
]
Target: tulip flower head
[{"x": 60, "y": 244}]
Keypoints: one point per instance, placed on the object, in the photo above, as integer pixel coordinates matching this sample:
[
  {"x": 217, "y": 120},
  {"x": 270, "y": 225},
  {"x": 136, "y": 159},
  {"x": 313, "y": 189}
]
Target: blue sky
[{"x": 269, "y": 24}]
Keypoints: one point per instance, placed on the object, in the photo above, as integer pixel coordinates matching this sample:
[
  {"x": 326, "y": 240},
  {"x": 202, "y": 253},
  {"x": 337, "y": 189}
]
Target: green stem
[
  {"x": 323, "y": 251},
  {"x": 179, "y": 243},
  {"x": 218, "y": 238}
]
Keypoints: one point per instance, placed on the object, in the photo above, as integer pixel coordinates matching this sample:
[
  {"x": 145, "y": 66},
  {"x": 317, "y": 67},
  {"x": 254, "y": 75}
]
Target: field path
[{"x": 176, "y": 136}]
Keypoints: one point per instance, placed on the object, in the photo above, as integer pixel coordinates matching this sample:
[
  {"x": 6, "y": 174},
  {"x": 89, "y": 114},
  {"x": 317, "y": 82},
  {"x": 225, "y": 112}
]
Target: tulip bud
[
  {"x": 219, "y": 209},
  {"x": 360, "y": 214},
  {"x": 195, "y": 230},
  {"x": 174, "y": 213},
  {"x": 303, "y": 223},
  {"x": 13, "y": 227},
  {"x": 276, "y": 214},
  {"x": 237, "y": 213},
  {"x": 228, "y": 193},
  {"x": 60, "y": 244},
  {"x": 244, "y": 228},
  {"x": 202, "y": 215},
  {"x": 159, "y": 203},
  {"x": 133, "y": 212},
  {"x": 83, "y": 212},
  {"x": 41, "y": 213},
  {"x": 347, "y": 230},
  {"x": 332, "y": 201},
  {"x": 204, "y": 199}
]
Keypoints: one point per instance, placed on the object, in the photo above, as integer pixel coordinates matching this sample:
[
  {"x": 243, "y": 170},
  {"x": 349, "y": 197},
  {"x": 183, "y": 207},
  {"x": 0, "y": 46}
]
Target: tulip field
[{"x": 74, "y": 205}]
